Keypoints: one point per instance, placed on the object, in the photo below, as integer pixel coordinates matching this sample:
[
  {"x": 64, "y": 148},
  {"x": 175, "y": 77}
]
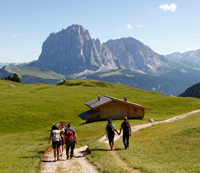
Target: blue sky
[{"x": 165, "y": 26}]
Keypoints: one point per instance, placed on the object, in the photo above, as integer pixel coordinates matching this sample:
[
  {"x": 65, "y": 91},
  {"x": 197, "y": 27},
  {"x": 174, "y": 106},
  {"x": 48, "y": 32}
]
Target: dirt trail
[
  {"x": 138, "y": 127},
  {"x": 80, "y": 164},
  {"x": 121, "y": 163},
  {"x": 77, "y": 164}
]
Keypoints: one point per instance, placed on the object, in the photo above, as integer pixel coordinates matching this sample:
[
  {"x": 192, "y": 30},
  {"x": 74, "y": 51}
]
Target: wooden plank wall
[{"x": 118, "y": 110}]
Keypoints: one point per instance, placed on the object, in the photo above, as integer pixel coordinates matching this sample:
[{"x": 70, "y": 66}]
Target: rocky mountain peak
[
  {"x": 72, "y": 50},
  {"x": 134, "y": 55},
  {"x": 190, "y": 59}
]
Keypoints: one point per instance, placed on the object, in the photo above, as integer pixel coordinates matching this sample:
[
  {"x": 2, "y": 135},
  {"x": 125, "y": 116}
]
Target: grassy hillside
[
  {"x": 172, "y": 83},
  {"x": 33, "y": 71},
  {"x": 168, "y": 147},
  {"x": 27, "y": 112},
  {"x": 193, "y": 91}
]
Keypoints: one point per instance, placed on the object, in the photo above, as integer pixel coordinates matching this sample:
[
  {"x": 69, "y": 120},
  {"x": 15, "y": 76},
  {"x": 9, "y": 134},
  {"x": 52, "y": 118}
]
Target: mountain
[
  {"x": 32, "y": 74},
  {"x": 72, "y": 50},
  {"x": 136, "y": 56},
  {"x": 172, "y": 83},
  {"x": 190, "y": 59},
  {"x": 3, "y": 64},
  {"x": 73, "y": 53},
  {"x": 8, "y": 64},
  {"x": 174, "y": 57},
  {"x": 193, "y": 91}
]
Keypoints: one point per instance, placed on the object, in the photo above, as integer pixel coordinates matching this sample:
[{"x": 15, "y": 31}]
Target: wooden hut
[{"x": 106, "y": 107}]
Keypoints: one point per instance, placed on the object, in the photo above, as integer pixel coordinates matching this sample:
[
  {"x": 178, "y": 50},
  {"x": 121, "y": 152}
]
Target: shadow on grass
[
  {"x": 88, "y": 151},
  {"x": 99, "y": 149},
  {"x": 39, "y": 152},
  {"x": 103, "y": 149},
  {"x": 117, "y": 149},
  {"x": 27, "y": 157}
]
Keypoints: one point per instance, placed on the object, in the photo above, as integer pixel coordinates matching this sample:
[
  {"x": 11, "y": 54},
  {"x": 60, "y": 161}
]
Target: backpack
[
  {"x": 69, "y": 136},
  {"x": 126, "y": 127},
  {"x": 55, "y": 135},
  {"x": 110, "y": 128}
]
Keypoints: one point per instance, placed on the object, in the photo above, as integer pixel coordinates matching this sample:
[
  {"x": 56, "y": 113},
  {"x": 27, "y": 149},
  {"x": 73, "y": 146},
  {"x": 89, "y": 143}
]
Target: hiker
[
  {"x": 62, "y": 130},
  {"x": 110, "y": 129},
  {"x": 55, "y": 134},
  {"x": 70, "y": 140},
  {"x": 126, "y": 126}
]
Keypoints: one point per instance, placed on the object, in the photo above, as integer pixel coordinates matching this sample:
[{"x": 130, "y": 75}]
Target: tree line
[
  {"x": 15, "y": 78},
  {"x": 193, "y": 91}
]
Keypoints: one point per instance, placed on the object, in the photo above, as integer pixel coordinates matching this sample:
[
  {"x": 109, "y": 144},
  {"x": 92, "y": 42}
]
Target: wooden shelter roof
[
  {"x": 87, "y": 114},
  {"x": 96, "y": 103},
  {"x": 105, "y": 99}
]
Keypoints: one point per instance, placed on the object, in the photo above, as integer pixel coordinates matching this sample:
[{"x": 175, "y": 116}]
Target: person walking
[
  {"x": 55, "y": 135},
  {"x": 61, "y": 130},
  {"x": 70, "y": 140},
  {"x": 110, "y": 129},
  {"x": 126, "y": 126}
]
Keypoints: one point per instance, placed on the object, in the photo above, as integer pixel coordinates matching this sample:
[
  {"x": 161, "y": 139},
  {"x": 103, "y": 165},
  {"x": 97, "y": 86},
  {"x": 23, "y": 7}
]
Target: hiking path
[{"x": 80, "y": 164}]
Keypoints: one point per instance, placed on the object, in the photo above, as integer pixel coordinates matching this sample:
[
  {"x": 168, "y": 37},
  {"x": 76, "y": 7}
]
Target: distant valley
[{"x": 72, "y": 54}]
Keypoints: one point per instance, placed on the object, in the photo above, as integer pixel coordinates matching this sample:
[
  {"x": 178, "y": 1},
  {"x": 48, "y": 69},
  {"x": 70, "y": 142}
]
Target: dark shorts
[
  {"x": 111, "y": 137},
  {"x": 55, "y": 144}
]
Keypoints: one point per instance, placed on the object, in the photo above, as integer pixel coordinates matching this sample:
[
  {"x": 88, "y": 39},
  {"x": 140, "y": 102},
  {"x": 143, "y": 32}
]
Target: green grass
[
  {"x": 33, "y": 71},
  {"x": 168, "y": 147},
  {"x": 27, "y": 112},
  {"x": 21, "y": 152}
]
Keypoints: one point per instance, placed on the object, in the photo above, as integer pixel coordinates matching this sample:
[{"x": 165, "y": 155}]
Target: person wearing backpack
[
  {"x": 55, "y": 135},
  {"x": 70, "y": 140},
  {"x": 126, "y": 126},
  {"x": 110, "y": 129}
]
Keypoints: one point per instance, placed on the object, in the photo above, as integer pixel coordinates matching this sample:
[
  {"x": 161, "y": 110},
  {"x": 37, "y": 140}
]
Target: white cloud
[
  {"x": 129, "y": 26},
  {"x": 16, "y": 35},
  {"x": 139, "y": 26},
  {"x": 166, "y": 7}
]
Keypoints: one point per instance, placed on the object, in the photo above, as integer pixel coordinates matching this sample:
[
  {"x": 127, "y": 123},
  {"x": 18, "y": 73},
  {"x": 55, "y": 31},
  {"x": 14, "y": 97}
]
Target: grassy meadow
[
  {"x": 168, "y": 147},
  {"x": 27, "y": 112},
  {"x": 33, "y": 71}
]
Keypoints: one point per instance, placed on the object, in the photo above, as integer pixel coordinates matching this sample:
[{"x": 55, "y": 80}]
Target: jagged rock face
[
  {"x": 135, "y": 55},
  {"x": 72, "y": 50},
  {"x": 190, "y": 59}
]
